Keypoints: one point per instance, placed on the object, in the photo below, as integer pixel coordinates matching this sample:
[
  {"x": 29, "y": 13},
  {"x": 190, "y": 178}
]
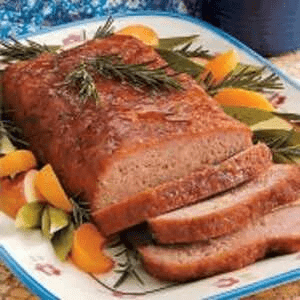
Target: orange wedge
[
  {"x": 16, "y": 162},
  {"x": 222, "y": 65},
  {"x": 12, "y": 195},
  {"x": 87, "y": 250},
  {"x": 48, "y": 185},
  {"x": 241, "y": 97},
  {"x": 141, "y": 32}
]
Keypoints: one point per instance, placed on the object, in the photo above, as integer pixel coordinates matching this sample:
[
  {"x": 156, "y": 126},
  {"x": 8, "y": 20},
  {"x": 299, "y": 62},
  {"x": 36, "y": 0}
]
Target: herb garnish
[
  {"x": 15, "y": 50},
  {"x": 81, "y": 211},
  {"x": 284, "y": 144},
  {"x": 247, "y": 78},
  {"x": 83, "y": 79},
  {"x": 111, "y": 67},
  {"x": 198, "y": 52},
  {"x": 106, "y": 30},
  {"x": 138, "y": 75}
]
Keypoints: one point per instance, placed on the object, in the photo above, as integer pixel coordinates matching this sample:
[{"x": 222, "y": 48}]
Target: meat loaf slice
[
  {"x": 133, "y": 140},
  {"x": 206, "y": 181},
  {"x": 220, "y": 215},
  {"x": 278, "y": 231}
]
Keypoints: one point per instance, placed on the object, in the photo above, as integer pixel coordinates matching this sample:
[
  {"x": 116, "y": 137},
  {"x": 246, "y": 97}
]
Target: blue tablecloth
[{"x": 19, "y": 17}]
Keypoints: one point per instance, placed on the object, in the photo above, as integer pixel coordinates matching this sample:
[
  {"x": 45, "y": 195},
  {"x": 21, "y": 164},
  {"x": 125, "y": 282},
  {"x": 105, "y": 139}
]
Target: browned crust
[
  {"x": 205, "y": 182},
  {"x": 81, "y": 141},
  {"x": 216, "y": 223},
  {"x": 229, "y": 254},
  {"x": 201, "y": 268}
]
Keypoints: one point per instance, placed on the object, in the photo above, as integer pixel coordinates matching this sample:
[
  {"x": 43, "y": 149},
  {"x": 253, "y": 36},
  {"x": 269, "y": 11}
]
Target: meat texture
[
  {"x": 133, "y": 140},
  {"x": 278, "y": 185},
  {"x": 206, "y": 181},
  {"x": 277, "y": 232}
]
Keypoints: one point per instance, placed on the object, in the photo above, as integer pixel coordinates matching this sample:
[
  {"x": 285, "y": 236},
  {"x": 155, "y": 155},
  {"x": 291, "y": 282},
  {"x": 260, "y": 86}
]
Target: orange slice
[
  {"x": 48, "y": 185},
  {"x": 141, "y": 32},
  {"x": 241, "y": 97},
  {"x": 87, "y": 250},
  {"x": 16, "y": 162},
  {"x": 12, "y": 195},
  {"x": 222, "y": 65}
]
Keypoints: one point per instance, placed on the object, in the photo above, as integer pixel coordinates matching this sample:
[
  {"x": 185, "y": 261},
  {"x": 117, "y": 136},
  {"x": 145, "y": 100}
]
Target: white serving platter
[{"x": 30, "y": 256}]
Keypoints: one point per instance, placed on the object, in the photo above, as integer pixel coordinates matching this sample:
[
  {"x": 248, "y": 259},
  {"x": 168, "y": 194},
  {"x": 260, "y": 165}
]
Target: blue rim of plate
[
  {"x": 33, "y": 285},
  {"x": 282, "y": 74},
  {"x": 38, "y": 289},
  {"x": 292, "y": 275}
]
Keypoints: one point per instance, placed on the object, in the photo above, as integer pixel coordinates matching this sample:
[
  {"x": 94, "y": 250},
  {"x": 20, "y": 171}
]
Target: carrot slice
[
  {"x": 87, "y": 250},
  {"x": 241, "y": 97},
  {"x": 48, "y": 185},
  {"x": 16, "y": 162},
  {"x": 141, "y": 32}
]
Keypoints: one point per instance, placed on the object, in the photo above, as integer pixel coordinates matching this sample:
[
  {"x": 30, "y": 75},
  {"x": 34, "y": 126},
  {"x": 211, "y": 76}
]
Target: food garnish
[
  {"x": 12, "y": 195},
  {"x": 106, "y": 30},
  {"x": 245, "y": 78},
  {"x": 87, "y": 250},
  {"x": 221, "y": 65},
  {"x": 16, "y": 162},
  {"x": 65, "y": 221},
  {"x": 137, "y": 75},
  {"x": 15, "y": 50},
  {"x": 81, "y": 78},
  {"x": 241, "y": 97},
  {"x": 48, "y": 185},
  {"x": 30, "y": 215},
  {"x": 141, "y": 32}
]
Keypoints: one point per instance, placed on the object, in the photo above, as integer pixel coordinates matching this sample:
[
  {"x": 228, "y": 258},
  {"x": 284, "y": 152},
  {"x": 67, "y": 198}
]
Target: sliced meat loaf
[
  {"x": 133, "y": 140},
  {"x": 206, "y": 181},
  {"x": 280, "y": 184},
  {"x": 278, "y": 232}
]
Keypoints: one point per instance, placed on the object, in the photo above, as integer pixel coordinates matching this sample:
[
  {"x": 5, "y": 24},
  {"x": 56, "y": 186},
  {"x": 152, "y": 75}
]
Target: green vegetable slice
[{"x": 29, "y": 215}]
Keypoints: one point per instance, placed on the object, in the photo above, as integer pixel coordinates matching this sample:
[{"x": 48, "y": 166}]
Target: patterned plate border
[
  {"x": 33, "y": 285},
  {"x": 286, "y": 277}
]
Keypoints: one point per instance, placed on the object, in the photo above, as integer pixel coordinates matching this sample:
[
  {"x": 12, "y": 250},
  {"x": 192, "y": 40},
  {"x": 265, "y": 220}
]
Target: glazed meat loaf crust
[
  {"x": 133, "y": 140},
  {"x": 277, "y": 232},
  {"x": 278, "y": 185},
  {"x": 208, "y": 180}
]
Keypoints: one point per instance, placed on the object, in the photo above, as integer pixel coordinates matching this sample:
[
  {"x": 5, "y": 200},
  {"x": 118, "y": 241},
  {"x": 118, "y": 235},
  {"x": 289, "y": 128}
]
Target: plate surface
[{"x": 31, "y": 257}]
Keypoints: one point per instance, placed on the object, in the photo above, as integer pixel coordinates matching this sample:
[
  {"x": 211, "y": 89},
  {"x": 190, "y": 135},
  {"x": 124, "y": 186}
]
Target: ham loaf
[
  {"x": 132, "y": 141},
  {"x": 206, "y": 181},
  {"x": 277, "y": 232},
  {"x": 278, "y": 185}
]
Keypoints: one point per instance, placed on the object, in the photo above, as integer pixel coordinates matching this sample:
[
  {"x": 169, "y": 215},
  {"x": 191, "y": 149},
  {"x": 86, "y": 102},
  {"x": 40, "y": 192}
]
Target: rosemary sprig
[
  {"x": 13, "y": 132},
  {"x": 138, "y": 75},
  {"x": 81, "y": 211},
  {"x": 14, "y": 50},
  {"x": 127, "y": 266},
  {"x": 198, "y": 52},
  {"x": 83, "y": 79},
  {"x": 247, "y": 78},
  {"x": 106, "y": 30},
  {"x": 283, "y": 143}
]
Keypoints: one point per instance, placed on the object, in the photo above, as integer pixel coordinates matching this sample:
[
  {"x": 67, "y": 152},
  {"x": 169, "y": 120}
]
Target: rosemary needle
[
  {"x": 138, "y": 75},
  {"x": 246, "y": 78},
  {"x": 14, "y": 50},
  {"x": 106, "y": 30},
  {"x": 83, "y": 79}
]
